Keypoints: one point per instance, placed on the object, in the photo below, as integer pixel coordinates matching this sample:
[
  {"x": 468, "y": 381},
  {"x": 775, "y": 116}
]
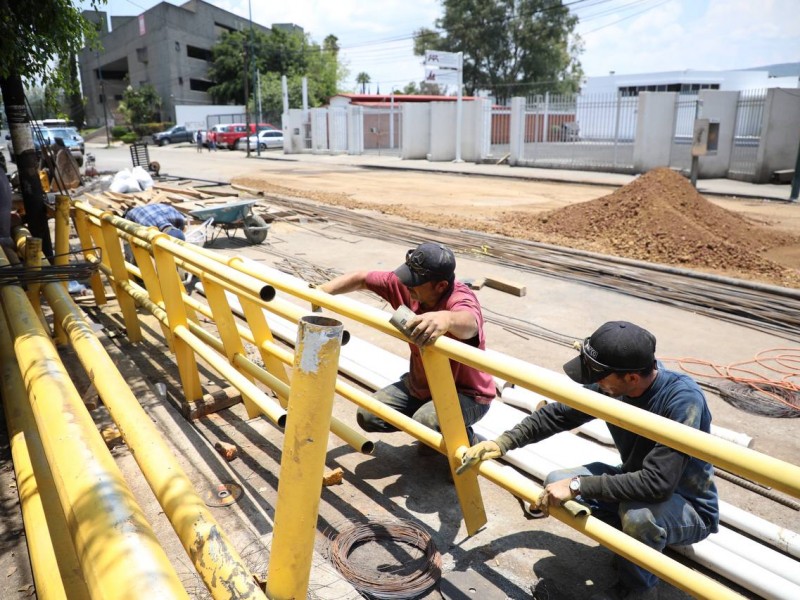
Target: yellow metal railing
[{"x": 254, "y": 286}]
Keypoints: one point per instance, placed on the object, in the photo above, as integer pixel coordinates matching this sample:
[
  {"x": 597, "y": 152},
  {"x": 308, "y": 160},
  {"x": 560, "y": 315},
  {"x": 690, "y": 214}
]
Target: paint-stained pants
[
  {"x": 397, "y": 397},
  {"x": 668, "y": 523}
]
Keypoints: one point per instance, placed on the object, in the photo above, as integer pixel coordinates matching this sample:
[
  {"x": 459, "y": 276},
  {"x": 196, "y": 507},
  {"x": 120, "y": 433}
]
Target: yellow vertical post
[
  {"x": 451, "y": 422},
  {"x": 305, "y": 445},
  {"x": 56, "y": 570},
  {"x": 148, "y": 272},
  {"x": 33, "y": 262},
  {"x": 61, "y": 257},
  {"x": 173, "y": 290},
  {"x": 226, "y": 325},
  {"x": 112, "y": 256},
  {"x": 80, "y": 218},
  {"x": 259, "y": 328}
]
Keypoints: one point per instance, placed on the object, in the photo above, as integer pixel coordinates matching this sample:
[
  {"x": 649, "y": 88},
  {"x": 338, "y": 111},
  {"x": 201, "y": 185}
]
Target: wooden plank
[
  {"x": 177, "y": 190},
  {"x": 506, "y": 285},
  {"x": 251, "y": 191}
]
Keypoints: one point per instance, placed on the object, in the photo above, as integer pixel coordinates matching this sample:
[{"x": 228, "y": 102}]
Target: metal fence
[
  {"x": 747, "y": 134},
  {"x": 594, "y": 132},
  {"x": 383, "y": 127}
]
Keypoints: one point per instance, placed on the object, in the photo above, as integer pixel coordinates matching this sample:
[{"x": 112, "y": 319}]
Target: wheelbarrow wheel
[{"x": 255, "y": 229}]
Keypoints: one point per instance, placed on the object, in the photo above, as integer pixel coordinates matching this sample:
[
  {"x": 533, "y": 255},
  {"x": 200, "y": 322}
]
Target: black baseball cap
[
  {"x": 427, "y": 262},
  {"x": 616, "y": 347}
]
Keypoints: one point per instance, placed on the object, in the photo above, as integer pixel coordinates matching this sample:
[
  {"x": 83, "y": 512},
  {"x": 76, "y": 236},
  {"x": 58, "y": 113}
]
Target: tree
[
  {"x": 511, "y": 47},
  {"x": 32, "y": 36},
  {"x": 425, "y": 88},
  {"x": 139, "y": 106},
  {"x": 363, "y": 79},
  {"x": 278, "y": 51}
]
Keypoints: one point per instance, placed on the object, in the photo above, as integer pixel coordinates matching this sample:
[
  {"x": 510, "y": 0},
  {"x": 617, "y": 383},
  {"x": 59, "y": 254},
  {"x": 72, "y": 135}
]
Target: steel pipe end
[{"x": 267, "y": 293}]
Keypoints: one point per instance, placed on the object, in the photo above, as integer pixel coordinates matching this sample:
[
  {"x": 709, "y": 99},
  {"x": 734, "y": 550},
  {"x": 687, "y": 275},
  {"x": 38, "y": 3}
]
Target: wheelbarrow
[{"x": 230, "y": 217}]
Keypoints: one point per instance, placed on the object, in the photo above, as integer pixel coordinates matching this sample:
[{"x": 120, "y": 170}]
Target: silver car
[{"x": 266, "y": 138}]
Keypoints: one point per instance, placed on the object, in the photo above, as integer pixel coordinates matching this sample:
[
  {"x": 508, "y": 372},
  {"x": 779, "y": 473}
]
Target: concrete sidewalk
[{"x": 715, "y": 187}]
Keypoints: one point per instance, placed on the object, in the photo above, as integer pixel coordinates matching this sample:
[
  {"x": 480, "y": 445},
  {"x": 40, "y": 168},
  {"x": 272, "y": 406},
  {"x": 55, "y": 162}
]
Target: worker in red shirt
[{"x": 443, "y": 306}]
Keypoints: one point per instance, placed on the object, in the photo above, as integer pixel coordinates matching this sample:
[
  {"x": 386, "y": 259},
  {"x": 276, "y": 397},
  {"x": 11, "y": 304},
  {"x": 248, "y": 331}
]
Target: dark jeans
[
  {"x": 397, "y": 397},
  {"x": 658, "y": 524}
]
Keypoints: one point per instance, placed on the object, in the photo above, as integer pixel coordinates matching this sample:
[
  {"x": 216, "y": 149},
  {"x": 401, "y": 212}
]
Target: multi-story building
[{"x": 166, "y": 46}]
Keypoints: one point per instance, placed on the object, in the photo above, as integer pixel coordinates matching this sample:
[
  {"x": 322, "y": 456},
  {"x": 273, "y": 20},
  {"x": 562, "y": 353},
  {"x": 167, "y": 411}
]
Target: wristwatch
[{"x": 575, "y": 486}]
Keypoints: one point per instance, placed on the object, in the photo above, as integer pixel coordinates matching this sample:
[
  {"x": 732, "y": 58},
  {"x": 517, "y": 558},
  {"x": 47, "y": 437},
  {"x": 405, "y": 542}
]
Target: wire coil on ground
[{"x": 409, "y": 578}]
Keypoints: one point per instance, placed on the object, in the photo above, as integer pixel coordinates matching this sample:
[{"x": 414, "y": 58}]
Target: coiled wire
[{"x": 410, "y": 578}]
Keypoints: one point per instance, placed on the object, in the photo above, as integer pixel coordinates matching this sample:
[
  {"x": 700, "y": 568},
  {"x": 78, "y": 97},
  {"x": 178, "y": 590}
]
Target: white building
[{"x": 687, "y": 82}]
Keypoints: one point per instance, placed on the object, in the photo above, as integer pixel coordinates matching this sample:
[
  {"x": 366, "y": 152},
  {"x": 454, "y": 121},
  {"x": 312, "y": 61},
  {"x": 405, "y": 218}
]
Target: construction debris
[
  {"x": 505, "y": 285},
  {"x": 333, "y": 477},
  {"x": 228, "y": 451}
]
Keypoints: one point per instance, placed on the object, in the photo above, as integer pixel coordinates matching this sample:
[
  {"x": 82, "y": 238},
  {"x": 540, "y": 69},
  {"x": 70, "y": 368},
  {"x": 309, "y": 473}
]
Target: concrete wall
[
  {"x": 355, "y": 129},
  {"x": 654, "y": 129},
  {"x": 720, "y": 107},
  {"x": 416, "y": 134},
  {"x": 442, "y": 139},
  {"x": 319, "y": 130},
  {"x": 293, "y": 132},
  {"x": 780, "y": 133}
]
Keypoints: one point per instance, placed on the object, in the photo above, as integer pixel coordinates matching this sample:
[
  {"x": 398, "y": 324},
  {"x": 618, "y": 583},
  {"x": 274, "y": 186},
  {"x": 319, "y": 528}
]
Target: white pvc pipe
[
  {"x": 783, "y": 539},
  {"x": 740, "y": 570},
  {"x": 732, "y": 436},
  {"x": 767, "y": 558}
]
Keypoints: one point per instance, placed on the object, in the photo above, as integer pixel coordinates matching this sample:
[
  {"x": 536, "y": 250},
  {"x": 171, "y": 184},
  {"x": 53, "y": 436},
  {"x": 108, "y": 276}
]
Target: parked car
[
  {"x": 266, "y": 138},
  {"x": 173, "y": 135},
  {"x": 71, "y": 138},
  {"x": 231, "y": 133}
]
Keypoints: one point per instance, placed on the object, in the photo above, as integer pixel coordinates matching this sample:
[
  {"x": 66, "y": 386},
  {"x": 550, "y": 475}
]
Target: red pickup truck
[{"x": 230, "y": 135}]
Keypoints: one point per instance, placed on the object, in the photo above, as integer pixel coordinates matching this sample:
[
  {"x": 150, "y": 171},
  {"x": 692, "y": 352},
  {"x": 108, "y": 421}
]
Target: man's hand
[
  {"x": 477, "y": 453},
  {"x": 426, "y": 328},
  {"x": 554, "y": 494}
]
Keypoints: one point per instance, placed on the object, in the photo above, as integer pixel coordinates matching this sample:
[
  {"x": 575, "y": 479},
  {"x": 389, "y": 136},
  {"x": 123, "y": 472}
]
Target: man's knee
[
  {"x": 426, "y": 415},
  {"x": 640, "y": 524},
  {"x": 367, "y": 421}
]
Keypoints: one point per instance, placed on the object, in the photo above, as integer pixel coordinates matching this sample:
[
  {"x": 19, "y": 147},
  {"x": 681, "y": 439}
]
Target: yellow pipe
[
  {"x": 765, "y": 469},
  {"x": 305, "y": 446},
  {"x": 731, "y": 457},
  {"x": 56, "y": 570},
  {"x": 682, "y": 576},
  {"x": 220, "y": 566},
  {"x": 270, "y": 408},
  {"x": 119, "y": 554},
  {"x": 346, "y": 433}
]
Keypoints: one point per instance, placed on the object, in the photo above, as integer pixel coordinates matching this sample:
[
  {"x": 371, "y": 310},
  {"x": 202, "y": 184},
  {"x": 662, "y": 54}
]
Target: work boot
[{"x": 620, "y": 592}]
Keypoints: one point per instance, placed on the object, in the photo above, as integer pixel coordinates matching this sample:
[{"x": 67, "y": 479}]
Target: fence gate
[
  {"x": 747, "y": 134},
  {"x": 500, "y": 132},
  {"x": 383, "y": 128},
  {"x": 593, "y": 132}
]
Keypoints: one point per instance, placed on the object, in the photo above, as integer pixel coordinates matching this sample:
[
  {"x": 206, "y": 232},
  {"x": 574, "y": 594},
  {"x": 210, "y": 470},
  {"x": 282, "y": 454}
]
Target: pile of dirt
[{"x": 660, "y": 217}]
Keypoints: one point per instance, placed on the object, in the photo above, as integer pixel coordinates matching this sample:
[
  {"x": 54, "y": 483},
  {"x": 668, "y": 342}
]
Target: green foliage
[
  {"x": 275, "y": 54},
  {"x": 129, "y": 138},
  {"x": 511, "y": 47},
  {"x": 425, "y": 88},
  {"x": 363, "y": 79},
  {"x": 117, "y": 131},
  {"x": 33, "y": 34},
  {"x": 139, "y": 106}
]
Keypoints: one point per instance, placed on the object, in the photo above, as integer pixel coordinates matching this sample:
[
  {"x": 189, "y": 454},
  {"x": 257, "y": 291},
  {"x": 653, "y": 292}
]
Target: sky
[{"x": 623, "y": 36}]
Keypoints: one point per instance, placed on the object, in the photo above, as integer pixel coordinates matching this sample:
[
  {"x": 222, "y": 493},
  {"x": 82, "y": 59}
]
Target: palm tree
[{"x": 363, "y": 78}]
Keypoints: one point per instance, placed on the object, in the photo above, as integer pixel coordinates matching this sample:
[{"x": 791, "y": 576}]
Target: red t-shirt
[{"x": 469, "y": 380}]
